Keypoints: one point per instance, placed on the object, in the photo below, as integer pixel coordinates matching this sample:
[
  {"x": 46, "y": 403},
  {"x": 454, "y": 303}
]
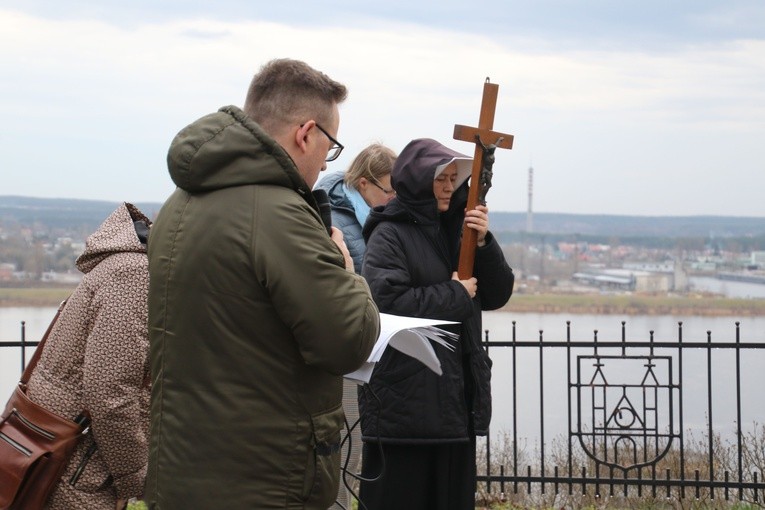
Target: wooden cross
[{"x": 485, "y": 141}]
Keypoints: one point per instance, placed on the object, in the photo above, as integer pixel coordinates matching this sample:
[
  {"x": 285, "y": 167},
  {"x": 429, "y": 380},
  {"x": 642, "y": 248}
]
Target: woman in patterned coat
[{"x": 96, "y": 359}]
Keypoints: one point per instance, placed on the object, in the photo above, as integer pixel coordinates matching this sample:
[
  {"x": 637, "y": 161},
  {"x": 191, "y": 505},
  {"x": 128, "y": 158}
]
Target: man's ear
[{"x": 301, "y": 135}]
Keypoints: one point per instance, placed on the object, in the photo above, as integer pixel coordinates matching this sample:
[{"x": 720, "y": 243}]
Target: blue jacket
[{"x": 344, "y": 217}]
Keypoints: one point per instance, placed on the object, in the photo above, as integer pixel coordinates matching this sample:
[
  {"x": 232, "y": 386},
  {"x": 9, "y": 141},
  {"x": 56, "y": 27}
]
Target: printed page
[{"x": 409, "y": 335}]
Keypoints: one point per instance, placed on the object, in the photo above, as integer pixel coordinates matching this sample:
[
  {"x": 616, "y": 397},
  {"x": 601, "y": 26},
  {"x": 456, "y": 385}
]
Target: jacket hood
[
  {"x": 121, "y": 232},
  {"x": 333, "y": 185},
  {"x": 412, "y": 178},
  {"x": 225, "y": 149},
  {"x": 415, "y": 168}
]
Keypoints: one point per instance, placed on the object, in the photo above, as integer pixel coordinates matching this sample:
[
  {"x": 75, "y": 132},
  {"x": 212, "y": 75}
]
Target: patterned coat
[{"x": 96, "y": 358}]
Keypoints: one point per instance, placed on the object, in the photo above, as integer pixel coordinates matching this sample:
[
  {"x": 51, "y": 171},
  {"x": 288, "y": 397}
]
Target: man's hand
[
  {"x": 471, "y": 284},
  {"x": 337, "y": 237}
]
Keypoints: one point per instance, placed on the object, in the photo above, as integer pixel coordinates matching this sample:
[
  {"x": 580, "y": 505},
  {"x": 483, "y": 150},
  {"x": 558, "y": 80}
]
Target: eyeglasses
[
  {"x": 335, "y": 149},
  {"x": 384, "y": 190}
]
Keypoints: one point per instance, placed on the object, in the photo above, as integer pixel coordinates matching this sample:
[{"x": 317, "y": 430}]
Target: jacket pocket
[
  {"x": 480, "y": 365},
  {"x": 323, "y": 464},
  {"x": 395, "y": 367}
]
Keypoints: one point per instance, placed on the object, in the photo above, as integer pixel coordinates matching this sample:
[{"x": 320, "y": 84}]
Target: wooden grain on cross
[{"x": 481, "y": 135}]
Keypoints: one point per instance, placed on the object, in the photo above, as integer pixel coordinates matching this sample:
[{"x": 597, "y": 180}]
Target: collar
[{"x": 360, "y": 206}]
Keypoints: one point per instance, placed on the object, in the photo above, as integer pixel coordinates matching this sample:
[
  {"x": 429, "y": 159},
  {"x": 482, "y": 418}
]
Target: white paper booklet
[{"x": 411, "y": 336}]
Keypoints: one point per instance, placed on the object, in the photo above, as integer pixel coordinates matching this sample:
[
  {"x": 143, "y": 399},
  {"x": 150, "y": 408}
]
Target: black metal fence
[
  {"x": 627, "y": 432},
  {"x": 22, "y": 345},
  {"x": 644, "y": 419}
]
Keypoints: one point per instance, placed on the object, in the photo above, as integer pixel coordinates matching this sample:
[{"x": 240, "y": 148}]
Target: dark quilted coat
[{"x": 412, "y": 251}]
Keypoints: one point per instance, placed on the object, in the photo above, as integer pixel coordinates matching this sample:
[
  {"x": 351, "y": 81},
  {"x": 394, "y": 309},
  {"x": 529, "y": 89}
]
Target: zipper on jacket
[
  {"x": 48, "y": 435},
  {"x": 84, "y": 462},
  {"x": 17, "y": 446}
]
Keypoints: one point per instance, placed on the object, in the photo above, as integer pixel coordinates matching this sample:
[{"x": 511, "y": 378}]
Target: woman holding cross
[{"x": 419, "y": 428}]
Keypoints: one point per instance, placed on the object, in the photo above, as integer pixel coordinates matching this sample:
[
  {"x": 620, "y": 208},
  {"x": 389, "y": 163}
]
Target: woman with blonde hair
[{"x": 352, "y": 195}]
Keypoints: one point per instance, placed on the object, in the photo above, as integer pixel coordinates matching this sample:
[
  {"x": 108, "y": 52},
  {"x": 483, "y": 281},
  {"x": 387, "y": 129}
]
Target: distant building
[
  {"x": 654, "y": 267},
  {"x": 626, "y": 280},
  {"x": 6, "y": 272},
  {"x": 54, "y": 277},
  {"x": 758, "y": 258},
  {"x": 680, "y": 281},
  {"x": 78, "y": 247}
]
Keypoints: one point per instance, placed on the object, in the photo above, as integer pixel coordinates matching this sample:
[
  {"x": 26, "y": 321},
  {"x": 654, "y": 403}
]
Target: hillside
[
  {"x": 631, "y": 226},
  {"x": 56, "y": 214},
  {"x": 86, "y": 215}
]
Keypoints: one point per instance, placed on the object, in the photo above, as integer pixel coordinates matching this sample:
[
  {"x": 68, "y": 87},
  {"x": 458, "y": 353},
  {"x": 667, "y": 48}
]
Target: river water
[
  {"x": 695, "y": 385},
  {"x": 553, "y": 328}
]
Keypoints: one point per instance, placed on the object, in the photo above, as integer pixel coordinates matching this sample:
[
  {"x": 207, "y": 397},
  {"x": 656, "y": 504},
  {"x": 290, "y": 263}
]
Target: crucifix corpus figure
[{"x": 486, "y": 142}]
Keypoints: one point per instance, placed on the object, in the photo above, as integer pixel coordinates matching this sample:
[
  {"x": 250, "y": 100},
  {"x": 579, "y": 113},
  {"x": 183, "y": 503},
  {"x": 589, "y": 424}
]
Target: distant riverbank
[
  {"x": 635, "y": 304},
  {"x": 596, "y": 304},
  {"x": 33, "y": 296}
]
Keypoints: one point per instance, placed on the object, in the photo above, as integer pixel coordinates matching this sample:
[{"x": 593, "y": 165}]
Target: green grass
[
  {"x": 140, "y": 505},
  {"x": 596, "y": 304},
  {"x": 649, "y": 505}
]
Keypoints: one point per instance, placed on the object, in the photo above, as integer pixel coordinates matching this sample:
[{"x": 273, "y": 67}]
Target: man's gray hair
[{"x": 290, "y": 91}]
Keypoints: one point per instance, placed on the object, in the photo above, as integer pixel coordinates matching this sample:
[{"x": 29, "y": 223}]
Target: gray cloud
[{"x": 610, "y": 128}]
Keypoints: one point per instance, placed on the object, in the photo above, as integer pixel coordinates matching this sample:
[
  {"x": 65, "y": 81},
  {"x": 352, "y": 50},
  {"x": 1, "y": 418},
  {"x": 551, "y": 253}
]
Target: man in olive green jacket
[{"x": 254, "y": 311}]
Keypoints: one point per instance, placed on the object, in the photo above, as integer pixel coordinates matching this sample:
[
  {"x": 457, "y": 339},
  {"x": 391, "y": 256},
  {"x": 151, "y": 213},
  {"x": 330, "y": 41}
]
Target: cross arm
[{"x": 487, "y": 136}]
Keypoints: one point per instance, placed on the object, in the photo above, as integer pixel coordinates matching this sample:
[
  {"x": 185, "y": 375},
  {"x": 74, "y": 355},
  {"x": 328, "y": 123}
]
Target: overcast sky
[{"x": 636, "y": 108}]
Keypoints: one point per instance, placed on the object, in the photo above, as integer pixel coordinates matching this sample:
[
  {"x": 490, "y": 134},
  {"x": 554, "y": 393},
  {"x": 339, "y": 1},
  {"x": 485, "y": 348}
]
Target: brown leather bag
[{"x": 35, "y": 444}]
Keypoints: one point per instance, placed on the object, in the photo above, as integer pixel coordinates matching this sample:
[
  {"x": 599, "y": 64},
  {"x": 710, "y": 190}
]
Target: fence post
[{"x": 23, "y": 345}]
